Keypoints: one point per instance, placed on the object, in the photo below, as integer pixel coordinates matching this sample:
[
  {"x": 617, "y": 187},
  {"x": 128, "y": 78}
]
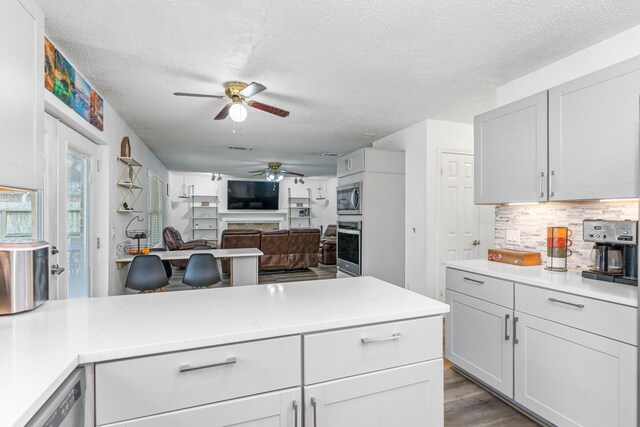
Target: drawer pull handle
[
  {"x": 314, "y": 405},
  {"x": 393, "y": 337},
  {"x": 515, "y": 323},
  {"x": 506, "y": 326},
  {"x": 480, "y": 282},
  {"x": 295, "y": 413},
  {"x": 566, "y": 302},
  {"x": 187, "y": 368}
]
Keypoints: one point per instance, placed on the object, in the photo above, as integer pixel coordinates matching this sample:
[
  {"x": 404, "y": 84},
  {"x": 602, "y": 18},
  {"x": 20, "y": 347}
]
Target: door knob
[
  {"x": 54, "y": 250},
  {"x": 56, "y": 269},
  {"x": 475, "y": 242}
]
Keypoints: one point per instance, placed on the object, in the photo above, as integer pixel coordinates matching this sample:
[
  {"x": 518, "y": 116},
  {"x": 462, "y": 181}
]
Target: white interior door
[
  {"x": 458, "y": 219},
  {"x": 69, "y": 209}
]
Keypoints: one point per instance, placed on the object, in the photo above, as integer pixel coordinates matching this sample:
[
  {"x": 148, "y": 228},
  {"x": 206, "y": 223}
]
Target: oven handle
[{"x": 346, "y": 231}]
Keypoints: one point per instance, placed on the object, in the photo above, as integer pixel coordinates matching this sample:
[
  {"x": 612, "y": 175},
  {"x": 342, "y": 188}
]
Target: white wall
[
  {"x": 616, "y": 49},
  {"x": 413, "y": 141},
  {"x": 112, "y": 224},
  {"x": 323, "y": 212}
]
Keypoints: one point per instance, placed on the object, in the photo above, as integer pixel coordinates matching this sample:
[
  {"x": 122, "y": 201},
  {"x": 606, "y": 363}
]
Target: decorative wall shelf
[
  {"x": 300, "y": 210},
  {"x": 129, "y": 184},
  {"x": 204, "y": 217}
]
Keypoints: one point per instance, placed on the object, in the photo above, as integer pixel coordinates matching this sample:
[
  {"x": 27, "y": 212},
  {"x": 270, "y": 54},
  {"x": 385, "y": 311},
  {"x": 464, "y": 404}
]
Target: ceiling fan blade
[
  {"x": 252, "y": 89},
  {"x": 257, "y": 174},
  {"x": 199, "y": 95},
  {"x": 268, "y": 108},
  {"x": 224, "y": 112},
  {"x": 258, "y": 171},
  {"x": 292, "y": 173}
]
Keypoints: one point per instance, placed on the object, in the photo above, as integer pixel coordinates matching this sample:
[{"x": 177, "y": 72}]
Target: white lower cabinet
[
  {"x": 571, "y": 377},
  {"x": 407, "y": 396},
  {"x": 479, "y": 340},
  {"x": 279, "y": 409}
]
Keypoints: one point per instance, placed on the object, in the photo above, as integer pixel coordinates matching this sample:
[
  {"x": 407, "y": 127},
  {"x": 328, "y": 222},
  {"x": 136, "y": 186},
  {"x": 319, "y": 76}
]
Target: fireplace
[{"x": 262, "y": 226}]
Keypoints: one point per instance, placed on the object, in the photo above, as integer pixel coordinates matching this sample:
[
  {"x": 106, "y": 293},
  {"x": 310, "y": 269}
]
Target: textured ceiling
[{"x": 343, "y": 68}]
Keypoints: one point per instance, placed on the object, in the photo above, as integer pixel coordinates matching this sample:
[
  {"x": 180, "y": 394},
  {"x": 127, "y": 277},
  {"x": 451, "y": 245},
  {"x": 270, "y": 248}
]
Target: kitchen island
[{"x": 364, "y": 340}]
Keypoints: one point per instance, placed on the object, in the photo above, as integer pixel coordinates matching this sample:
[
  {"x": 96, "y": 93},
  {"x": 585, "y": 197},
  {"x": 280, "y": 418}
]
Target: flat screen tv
[{"x": 253, "y": 195}]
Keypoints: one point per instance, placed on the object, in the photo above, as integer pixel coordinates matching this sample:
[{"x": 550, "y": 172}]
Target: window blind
[{"x": 155, "y": 196}]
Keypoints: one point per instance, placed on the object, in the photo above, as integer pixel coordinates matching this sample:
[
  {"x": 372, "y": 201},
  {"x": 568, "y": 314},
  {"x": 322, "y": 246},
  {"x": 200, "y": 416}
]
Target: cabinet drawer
[
  {"x": 599, "y": 317},
  {"x": 144, "y": 386},
  {"x": 487, "y": 288},
  {"x": 339, "y": 354}
]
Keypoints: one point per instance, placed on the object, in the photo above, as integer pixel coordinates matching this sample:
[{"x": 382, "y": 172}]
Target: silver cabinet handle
[
  {"x": 541, "y": 184},
  {"x": 566, "y": 302},
  {"x": 229, "y": 361},
  {"x": 314, "y": 405},
  {"x": 506, "y": 325},
  {"x": 480, "y": 282},
  {"x": 393, "y": 337},
  {"x": 295, "y": 413},
  {"x": 54, "y": 250},
  {"x": 515, "y": 338},
  {"x": 56, "y": 270},
  {"x": 552, "y": 184},
  {"x": 475, "y": 242}
]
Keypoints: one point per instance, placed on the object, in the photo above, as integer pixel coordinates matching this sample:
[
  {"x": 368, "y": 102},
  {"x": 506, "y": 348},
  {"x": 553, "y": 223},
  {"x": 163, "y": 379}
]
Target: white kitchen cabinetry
[
  {"x": 22, "y": 100},
  {"x": 511, "y": 152},
  {"x": 279, "y": 409},
  {"x": 406, "y": 396},
  {"x": 566, "y": 358},
  {"x": 593, "y": 135},
  {"x": 370, "y": 160},
  {"x": 573, "y": 378},
  {"x": 479, "y": 340}
]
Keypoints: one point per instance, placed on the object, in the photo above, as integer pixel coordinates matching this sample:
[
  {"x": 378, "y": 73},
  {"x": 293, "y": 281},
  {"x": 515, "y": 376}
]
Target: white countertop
[
  {"x": 569, "y": 282},
  {"x": 38, "y": 349}
]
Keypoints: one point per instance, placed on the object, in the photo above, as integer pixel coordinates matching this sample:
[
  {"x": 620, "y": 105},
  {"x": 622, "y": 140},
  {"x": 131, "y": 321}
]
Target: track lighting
[
  {"x": 301, "y": 181},
  {"x": 295, "y": 181}
]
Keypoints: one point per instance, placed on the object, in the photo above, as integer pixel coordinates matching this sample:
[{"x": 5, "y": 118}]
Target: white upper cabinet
[
  {"x": 22, "y": 100},
  {"x": 511, "y": 152},
  {"x": 593, "y": 135}
]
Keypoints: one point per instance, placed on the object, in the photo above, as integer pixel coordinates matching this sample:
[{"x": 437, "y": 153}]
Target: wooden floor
[{"x": 467, "y": 404}]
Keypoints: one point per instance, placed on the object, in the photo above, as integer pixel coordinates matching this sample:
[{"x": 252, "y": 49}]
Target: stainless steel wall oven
[{"x": 350, "y": 247}]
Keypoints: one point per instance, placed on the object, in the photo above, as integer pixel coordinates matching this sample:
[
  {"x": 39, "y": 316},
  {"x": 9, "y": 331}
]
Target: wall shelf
[
  {"x": 129, "y": 185},
  {"x": 299, "y": 210},
  {"x": 204, "y": 217}
]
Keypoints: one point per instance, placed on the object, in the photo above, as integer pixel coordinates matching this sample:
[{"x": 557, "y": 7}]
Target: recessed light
[
  {"x": 330, "y": 154},
  {"x": 239, "y": 148}
]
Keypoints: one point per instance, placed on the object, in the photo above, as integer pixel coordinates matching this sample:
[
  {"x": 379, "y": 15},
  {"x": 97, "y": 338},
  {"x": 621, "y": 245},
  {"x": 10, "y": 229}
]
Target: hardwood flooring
[{"x": 467, "y": 404}]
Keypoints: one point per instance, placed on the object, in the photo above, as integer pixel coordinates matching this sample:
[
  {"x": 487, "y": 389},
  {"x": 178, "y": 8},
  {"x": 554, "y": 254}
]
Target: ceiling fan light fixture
[
  {"x": 280, "y": 177},
  {"x": 238, "y": 112},
  {"x": 271, "y": 176}
]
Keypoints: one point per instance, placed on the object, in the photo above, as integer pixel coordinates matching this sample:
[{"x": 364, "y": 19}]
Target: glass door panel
[{"x": 77, "y": 221}]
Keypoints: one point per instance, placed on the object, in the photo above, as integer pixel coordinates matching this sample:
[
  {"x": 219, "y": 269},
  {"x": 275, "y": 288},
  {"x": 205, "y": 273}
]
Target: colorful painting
[
  {"x": 49, "y": 63},
  {"x": 61, "y": 79},
  {"x": 96, "y": 116},
  {"x": 82, "y": 97}
]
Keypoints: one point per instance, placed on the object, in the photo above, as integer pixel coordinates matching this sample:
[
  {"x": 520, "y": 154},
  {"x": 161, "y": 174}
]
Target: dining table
[{"x": 244, "y": 261}]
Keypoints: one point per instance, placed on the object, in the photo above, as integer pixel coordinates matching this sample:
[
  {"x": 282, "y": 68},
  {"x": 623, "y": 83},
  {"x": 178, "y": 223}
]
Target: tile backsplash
[{"x": 532, "y": 221}]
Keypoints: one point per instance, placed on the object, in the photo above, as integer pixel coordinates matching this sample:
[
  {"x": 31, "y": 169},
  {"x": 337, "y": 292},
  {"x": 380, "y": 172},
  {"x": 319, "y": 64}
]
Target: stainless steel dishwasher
[{"x": 66, "y": 407}]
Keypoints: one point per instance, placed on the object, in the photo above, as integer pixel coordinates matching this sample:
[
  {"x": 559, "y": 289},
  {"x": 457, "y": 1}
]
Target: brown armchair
[
  {"x": 173, "y": 242},
  {"x": 327, "y": 252},
  {"x": 303, "y": 248}
]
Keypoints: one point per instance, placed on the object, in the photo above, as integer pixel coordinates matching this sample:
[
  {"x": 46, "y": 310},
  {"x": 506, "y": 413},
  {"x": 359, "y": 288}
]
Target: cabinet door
[
  {"x": 511, "y": 152},
  {"x": 593, "y": 135},
  {"x": 280, "y": 409},
  {"x": 22, "y": 100},
  {"x": 479, "y": 340},
  {"x": 407, "y": 396},
  {"x": 571, "y": 377},
  {"x": 351, "y": 163}
]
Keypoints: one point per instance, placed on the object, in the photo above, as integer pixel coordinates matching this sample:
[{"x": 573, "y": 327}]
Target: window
[
  {"x": 155, "y": 196},
  {"x": 17, "y": 213}
]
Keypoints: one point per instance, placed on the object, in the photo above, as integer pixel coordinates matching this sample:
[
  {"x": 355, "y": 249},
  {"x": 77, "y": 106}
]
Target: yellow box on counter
[{"x": 515, "y": 257}]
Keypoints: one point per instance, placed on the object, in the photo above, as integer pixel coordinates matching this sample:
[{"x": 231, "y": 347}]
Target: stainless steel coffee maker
[{"x": 614, "y": 257}]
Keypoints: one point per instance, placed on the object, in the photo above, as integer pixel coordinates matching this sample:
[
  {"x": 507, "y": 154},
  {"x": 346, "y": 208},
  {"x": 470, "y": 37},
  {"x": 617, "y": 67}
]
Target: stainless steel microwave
[{"x": 349, "y": 199}]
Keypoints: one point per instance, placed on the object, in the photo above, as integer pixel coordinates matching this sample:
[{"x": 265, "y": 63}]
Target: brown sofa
[
  {"x": 173, "y": 242},
  {"x": 327, "y": 252},
  {"x": 283, "y": 249}
]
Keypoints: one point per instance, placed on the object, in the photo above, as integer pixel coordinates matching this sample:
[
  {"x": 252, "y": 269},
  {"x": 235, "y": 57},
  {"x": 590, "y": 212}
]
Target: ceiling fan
[
  {"x": 238, "y": 93},
  {"x": 274, "y": 172}
]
